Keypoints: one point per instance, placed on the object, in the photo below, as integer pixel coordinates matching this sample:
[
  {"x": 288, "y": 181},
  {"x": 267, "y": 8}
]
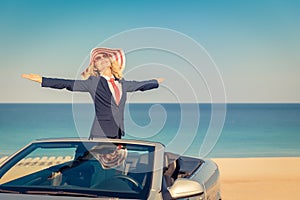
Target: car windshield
[{"x": 79, "y": 169}]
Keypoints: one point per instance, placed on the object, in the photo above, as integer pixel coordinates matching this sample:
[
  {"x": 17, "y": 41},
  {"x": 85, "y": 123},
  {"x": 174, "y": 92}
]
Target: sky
[{"x": 244, "y": 51}]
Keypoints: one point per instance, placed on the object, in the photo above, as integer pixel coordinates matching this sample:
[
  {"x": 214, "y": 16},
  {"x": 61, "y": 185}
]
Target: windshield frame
[{"x": 77, "y": 191}]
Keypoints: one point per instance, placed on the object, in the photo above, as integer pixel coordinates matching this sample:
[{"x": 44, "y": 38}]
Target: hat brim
[{"x": 117, "y": 55}]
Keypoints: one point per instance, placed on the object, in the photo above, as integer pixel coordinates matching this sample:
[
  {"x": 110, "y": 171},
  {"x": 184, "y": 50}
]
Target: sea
[{"x": 233, "y": 130}]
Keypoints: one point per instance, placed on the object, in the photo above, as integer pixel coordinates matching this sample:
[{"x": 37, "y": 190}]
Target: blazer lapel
[
  {"x": 122, "y": 88},
  {"x": 105, "y": 87}
]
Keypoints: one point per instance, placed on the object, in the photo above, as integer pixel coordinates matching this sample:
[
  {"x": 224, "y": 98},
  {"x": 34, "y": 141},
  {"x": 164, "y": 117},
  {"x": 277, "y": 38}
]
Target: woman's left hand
[{"x": 160, "y": 80}]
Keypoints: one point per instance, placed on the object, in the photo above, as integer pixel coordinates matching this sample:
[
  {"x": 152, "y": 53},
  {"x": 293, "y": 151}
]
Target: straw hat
[{"x": 117, "y": 55}]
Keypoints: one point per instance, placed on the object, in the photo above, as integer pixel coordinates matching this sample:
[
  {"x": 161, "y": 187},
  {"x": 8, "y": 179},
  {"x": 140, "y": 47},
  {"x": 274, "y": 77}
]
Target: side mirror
[{"x": 184, "y": 188}]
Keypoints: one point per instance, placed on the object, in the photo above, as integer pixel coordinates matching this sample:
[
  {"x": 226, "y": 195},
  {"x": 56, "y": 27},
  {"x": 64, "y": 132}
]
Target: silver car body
[{"x": 196, "y": 178}]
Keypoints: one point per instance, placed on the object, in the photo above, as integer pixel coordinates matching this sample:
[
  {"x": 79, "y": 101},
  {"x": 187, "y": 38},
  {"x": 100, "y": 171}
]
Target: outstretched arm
[
  {"x": 55, "y": 83},
  {"x": 132, "y": 86},
  {"x": 33, "y": 77}
]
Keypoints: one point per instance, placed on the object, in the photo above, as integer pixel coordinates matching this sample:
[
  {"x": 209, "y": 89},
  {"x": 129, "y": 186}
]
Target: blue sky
[{"x": 255, "y": 44}]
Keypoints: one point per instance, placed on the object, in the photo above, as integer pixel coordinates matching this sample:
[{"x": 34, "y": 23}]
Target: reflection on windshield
[{"x": 103, "y": 169}]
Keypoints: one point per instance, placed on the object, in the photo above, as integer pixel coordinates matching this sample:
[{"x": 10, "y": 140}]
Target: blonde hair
[{"x": 115, "y": 70}]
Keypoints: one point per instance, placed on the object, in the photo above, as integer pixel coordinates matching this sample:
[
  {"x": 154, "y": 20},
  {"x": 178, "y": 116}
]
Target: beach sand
[{"x": 259, "y": 178}]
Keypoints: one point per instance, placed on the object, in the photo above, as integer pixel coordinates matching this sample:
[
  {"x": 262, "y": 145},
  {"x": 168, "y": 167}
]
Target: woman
[{"x": 104, "y": 81}]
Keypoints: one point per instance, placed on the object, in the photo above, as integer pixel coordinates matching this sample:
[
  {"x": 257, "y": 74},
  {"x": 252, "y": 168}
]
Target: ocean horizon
[{"x": 248, "y": 129}]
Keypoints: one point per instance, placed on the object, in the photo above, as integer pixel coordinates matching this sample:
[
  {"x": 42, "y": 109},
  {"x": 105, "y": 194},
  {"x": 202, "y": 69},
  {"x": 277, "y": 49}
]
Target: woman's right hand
[{"x": 33, "y": 77}]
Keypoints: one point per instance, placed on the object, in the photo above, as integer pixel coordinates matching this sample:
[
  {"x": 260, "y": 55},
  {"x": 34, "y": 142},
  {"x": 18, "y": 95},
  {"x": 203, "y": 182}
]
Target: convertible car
[{"x": 76, "y": 168}]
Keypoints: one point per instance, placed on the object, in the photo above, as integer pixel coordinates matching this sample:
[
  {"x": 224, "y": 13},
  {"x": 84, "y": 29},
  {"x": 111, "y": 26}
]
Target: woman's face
[{"x": 101, "y": 62}]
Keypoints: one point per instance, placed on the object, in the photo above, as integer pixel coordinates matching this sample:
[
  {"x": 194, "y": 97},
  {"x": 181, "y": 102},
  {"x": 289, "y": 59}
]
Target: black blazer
[{"x": 109, "y": 119}]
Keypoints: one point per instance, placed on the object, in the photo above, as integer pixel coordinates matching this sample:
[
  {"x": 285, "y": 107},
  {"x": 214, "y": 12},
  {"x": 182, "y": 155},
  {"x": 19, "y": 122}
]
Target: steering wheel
[{"x": 131, "y": 180}]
